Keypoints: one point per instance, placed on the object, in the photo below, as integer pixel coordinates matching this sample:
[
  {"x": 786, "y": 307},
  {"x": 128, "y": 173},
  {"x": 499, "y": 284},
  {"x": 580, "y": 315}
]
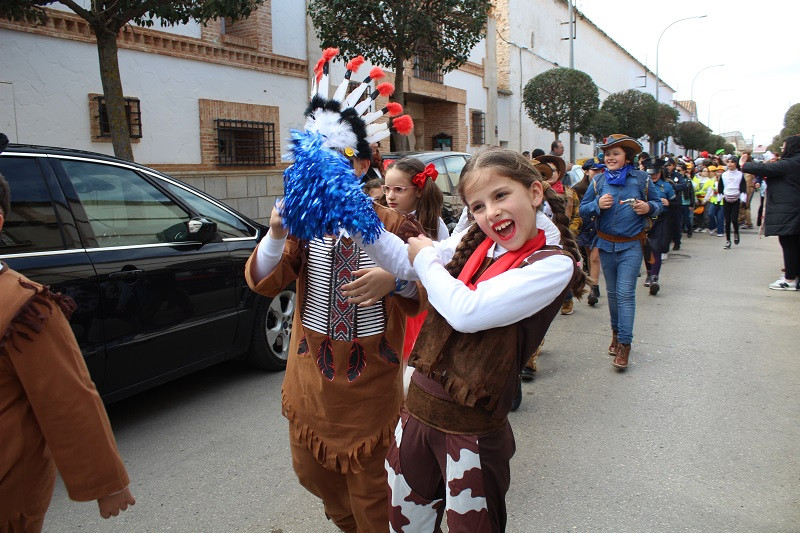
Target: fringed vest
[{"x": 465, "y": 382}]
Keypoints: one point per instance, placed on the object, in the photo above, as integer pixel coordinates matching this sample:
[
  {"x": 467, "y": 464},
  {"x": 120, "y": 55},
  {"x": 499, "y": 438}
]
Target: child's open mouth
[{"x": 505, "y": 229}]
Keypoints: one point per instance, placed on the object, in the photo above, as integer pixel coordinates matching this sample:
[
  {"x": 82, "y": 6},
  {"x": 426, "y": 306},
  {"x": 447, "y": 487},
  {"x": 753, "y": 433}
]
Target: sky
[{"x": 756, "y": 41}]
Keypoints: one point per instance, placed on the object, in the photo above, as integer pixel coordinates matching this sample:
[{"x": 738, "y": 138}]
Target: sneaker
[
  {"x": 654, "y": 286},
  {"x": 648, "y": 280},
  {"x": 782, "y": 284},
  {"x": 735, "y": 238},
  {"x": 720, "y": 234},
  {"x": 727, "y": 245},
  {"x": 567, "y": 307},
  {"x": 664, "y": 257},
  {"x": 676, "y": 247}
]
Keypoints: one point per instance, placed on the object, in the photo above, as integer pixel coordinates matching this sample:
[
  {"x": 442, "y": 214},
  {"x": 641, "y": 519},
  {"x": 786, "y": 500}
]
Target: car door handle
[{"x": 126, "y": 275}]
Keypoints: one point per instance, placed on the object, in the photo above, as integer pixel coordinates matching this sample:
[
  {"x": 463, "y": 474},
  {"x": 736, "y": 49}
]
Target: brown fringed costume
[
  {"x": 50, "y": 413},
  {"x": 342, "y": 390}
]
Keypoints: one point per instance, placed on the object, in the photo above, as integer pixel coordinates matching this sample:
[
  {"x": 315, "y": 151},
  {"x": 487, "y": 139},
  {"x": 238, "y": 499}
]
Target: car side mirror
[{"x": 202, "y": 229}]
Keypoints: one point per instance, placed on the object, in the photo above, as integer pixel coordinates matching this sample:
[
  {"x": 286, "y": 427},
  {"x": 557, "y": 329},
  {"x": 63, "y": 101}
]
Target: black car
[
  {"x": 155, "y": 266},
  {"x": 449, "y": 165}
]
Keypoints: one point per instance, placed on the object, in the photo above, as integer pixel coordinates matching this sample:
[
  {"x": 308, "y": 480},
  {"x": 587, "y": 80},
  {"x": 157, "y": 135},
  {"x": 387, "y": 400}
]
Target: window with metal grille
[
  {"x": 478, "y": 127},
  {"x": 133, "y": 114},
  {"x": 424, "y": 71},
  {"x": 244, "y": 143}
]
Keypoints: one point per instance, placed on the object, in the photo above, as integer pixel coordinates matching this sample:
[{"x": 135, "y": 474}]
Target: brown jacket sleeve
[
  {"x": 69, "y": 410},
  {"x": 287, "y": 271}
]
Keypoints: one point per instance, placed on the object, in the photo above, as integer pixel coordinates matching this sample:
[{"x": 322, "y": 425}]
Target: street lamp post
[
  {"x": 659, "y": 43},
  {"x": 691, "y": 93}
]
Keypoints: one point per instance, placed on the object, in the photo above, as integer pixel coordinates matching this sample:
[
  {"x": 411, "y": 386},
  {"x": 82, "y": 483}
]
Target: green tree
[
  {"x": 791, "y": 126},
  {"x": 561, "y": 99},
  {"x": 600, "y": 125},
  {"x": 106, "y": 18},
  {"x": 662, "y": 125},
  {"x": 715, "y": 142},
  {"x": 692, "y": 135},
  {"x": 438, "y": 34},
  {"x": 634, "y": 111}
]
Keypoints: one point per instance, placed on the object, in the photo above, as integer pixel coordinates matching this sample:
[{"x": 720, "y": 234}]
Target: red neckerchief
[
  {"x": 558, "y": 187},
  {"x": 507, "y": 261}
]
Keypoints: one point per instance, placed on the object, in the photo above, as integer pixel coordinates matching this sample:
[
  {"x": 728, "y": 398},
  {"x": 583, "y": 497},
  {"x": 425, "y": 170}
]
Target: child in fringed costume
[
  {"x": 342, "y": 390},
  {"x": 50, "y": 413},
  {"x": 493, "y": 292}
]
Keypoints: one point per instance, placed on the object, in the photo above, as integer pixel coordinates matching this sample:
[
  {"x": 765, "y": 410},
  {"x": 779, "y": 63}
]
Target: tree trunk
[
  {"x": 112, "y": 91},
  {"x": 400, "y": 142}
]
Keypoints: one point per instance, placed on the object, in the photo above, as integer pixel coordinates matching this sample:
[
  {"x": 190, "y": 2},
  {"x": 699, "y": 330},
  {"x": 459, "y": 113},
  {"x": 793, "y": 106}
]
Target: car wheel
[{"x": 269, "y": 348}]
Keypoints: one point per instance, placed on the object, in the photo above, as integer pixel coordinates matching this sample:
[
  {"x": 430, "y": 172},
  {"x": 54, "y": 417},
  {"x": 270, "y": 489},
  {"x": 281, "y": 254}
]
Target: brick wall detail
[
  {"x": 447, "y": 117},
  {"x": 237, "y": 51},
  {"x": 94, "y": 121},
  {"x": 214, "y": 109}
]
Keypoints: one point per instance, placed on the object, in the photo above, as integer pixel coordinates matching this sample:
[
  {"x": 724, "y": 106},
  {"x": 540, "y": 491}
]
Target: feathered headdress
[{"x": 323, "y": 195}]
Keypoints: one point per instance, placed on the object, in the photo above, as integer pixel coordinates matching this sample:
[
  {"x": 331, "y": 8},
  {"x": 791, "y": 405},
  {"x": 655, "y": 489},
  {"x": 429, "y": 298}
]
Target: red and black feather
[
  {"x": 388, "y": 353},
  {"x": 325, "y": 359},
  {"x": 303, "y": 348},
  {"x": 357, "y": 362}
]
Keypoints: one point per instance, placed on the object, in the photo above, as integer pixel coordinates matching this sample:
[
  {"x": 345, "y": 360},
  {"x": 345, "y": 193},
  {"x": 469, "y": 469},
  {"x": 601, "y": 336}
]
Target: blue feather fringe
[{"x": 323, "y": 196}]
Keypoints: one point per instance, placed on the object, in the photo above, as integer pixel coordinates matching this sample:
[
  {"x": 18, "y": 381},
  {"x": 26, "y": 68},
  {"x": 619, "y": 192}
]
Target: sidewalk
[{"x": 700, "y": 434}]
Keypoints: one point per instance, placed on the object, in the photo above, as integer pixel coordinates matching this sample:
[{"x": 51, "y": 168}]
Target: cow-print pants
[{"x": 431, "y": 471}]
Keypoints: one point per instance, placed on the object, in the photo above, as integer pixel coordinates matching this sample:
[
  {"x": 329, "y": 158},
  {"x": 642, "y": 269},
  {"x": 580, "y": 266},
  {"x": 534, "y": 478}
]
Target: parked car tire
[{"x": 269, "y": 348}]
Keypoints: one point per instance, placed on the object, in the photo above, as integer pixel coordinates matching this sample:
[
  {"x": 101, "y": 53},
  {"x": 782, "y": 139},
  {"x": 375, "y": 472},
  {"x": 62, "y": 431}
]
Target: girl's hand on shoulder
[
  {"x": 415, "y": 244},
  {"x": 369, "y": 285},
  {"x": 276, "y": 222},
  {"x": 605, "y": 201},
  {"x": 641, "y": 207}
]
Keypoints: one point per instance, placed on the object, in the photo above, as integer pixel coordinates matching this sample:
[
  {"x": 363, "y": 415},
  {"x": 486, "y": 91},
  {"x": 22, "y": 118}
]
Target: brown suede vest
[{"x": 465, "y": 382}]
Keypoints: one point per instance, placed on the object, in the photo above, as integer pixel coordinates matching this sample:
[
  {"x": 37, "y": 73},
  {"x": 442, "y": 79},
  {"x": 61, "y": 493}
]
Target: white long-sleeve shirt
[{"x": 498, "y": 301}]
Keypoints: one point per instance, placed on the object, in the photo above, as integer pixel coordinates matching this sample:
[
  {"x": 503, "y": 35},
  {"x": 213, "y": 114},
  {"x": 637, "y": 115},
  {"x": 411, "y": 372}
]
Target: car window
[
  {"x": 442, "y": 180},
  {"x": 454, "y": 165},
  {"x": 123, "y": 208},
  {"x": 32, "y": 224},
  {"x": 228, "y": 226}
]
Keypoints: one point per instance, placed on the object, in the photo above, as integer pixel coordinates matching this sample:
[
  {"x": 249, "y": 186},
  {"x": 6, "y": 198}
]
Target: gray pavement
[{"x": 700, "y": 434}]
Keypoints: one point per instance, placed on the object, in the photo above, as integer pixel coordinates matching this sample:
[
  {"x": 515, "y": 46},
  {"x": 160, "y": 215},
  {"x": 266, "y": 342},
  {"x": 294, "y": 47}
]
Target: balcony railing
[{"x": 435, "y": 76}]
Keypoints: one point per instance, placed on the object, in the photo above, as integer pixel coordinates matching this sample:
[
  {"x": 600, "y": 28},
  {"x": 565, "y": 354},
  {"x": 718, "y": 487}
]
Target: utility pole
[{"x": 572, "y": 66}]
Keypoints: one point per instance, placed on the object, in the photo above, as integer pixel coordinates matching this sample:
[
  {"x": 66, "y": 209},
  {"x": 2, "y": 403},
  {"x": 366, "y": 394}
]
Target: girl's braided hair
[{"x": 514, "y": 166}]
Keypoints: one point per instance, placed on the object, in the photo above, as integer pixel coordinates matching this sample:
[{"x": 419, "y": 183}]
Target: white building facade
[{"x": 194, "y": 89}]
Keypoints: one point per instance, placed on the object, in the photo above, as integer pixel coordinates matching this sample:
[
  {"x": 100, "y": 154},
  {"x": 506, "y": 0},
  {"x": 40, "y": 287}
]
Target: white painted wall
[
  {"x": 288, "y": 28},
  {"x": 476, "y": 99},
  {"x": 477, "y": 54},
  {"x": 51, "y": 104},
  {"x": 611, "y": 68}
]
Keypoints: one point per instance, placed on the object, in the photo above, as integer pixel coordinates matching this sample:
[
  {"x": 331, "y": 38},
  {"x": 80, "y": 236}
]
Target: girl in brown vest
[{"x": 493, "y": 291}]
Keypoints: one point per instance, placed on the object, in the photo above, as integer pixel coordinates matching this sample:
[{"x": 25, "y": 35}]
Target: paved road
[{"x": 700, "y": 434}]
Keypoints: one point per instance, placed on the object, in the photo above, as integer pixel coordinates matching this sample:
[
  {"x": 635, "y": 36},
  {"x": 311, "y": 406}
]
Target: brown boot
[
  {"x": 612, "y": 348},
  {"x": 621, "y": 359}
]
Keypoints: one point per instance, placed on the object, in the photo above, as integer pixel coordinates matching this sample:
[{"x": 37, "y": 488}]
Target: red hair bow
[{"x": 429, "y": 172}]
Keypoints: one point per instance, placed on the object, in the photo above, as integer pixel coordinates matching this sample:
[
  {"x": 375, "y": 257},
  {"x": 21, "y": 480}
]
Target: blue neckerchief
[{"x": 617, "y": 177}]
